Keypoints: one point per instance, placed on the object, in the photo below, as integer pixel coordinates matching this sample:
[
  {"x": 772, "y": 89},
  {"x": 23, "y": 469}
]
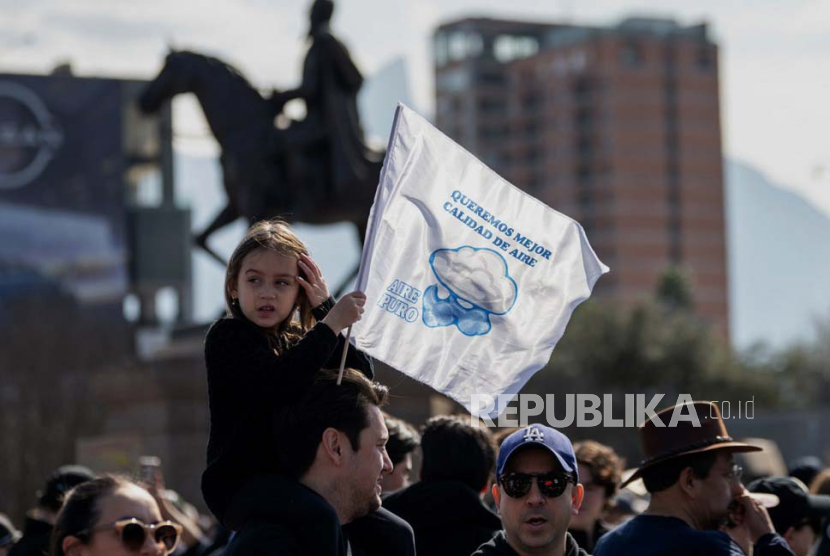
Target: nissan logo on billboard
[{"x": 29, "y": 137}]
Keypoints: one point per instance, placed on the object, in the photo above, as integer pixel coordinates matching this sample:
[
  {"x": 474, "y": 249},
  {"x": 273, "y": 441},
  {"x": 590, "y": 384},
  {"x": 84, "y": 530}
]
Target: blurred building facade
[{"x": 617, "y": 127}]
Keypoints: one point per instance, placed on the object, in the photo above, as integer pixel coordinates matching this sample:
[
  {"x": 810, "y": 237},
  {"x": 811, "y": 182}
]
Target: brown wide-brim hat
[{"x": 660, "y": 442}]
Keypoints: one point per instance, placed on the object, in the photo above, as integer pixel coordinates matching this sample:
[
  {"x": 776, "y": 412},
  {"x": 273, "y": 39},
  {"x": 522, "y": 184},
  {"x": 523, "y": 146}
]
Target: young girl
[{"x": 281, "y": 328}]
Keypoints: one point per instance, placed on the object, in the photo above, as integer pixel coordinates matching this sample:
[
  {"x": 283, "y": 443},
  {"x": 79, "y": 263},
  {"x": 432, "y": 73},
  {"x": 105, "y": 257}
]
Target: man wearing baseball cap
[
  {"x": 694, "y": 483},
  {"x": 798, "y": 513},
  {"x": 537, "y": 491}
]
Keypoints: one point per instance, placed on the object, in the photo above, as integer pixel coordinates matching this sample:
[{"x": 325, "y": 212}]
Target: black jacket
[
  {"x": 282, "y": 517},
  {"x": 35, "y": 539},
  {"x": 498, "y": 547},
  {"x": 656, "y": 535},
  {"x": 581, "y": 537},
  {"x": 447, "y": 516},
  {"x": 296, "y": 521},
  {"x": 247, "y": 382}
]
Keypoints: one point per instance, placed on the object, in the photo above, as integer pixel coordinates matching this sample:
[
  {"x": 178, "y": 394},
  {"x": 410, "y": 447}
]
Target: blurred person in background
[
  {"x": 8, "y": 535},
  {"x": 805, "y": 469},
  {"x": 445, "y": 508},
  {"x": 403, "y": 441},
  {"x": 798, "y": 514},
  {"x": 821, "y": 485},
  {"x": 111, "y": 516},
  {"x": 498, "y": 436},
  {"x": 40, "y": 520},
  {"x": 174, "y": 508},
  {"x": 600, "y": 470},
  {"x": 629, "y": 502}
]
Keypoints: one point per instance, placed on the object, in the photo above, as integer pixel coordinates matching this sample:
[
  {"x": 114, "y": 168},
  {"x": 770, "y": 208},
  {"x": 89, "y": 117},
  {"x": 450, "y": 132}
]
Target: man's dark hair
[
  {"x": 661, "y": 476},
  {"x": 62, "y": 480},
  {"x": 455, "y": 450},
  {"x": 403, "y": 438},
  {"x": 298, "y": 428}
]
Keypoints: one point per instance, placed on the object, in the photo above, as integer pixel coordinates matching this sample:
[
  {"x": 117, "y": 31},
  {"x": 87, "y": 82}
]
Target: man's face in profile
[{"x": 368, "y": 465}]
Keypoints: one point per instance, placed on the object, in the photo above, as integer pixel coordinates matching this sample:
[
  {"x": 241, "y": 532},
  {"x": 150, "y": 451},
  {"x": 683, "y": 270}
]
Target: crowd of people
[{"x": 303, "y": 460}]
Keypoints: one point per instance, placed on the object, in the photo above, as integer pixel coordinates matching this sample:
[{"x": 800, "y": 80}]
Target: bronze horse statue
[{"x": 263, "y": 176}]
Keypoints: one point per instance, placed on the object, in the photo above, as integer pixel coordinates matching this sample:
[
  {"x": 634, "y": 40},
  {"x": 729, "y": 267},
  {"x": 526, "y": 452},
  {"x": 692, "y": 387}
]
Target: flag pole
[{"x": 343, "y": 359}]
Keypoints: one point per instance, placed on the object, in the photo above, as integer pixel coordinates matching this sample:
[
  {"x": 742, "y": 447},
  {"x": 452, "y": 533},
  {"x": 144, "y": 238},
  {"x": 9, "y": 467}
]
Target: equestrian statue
[{"x": 317, "y": 170}]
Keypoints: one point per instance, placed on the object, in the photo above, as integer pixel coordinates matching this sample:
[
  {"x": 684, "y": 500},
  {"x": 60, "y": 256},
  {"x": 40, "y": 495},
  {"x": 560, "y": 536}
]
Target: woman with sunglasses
[{"x": 110, "y": 516}]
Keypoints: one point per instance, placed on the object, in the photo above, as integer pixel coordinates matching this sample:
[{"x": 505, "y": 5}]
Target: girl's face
[
  {"x": 124, "y": 503},
  {"x": 267, "y": 287}
]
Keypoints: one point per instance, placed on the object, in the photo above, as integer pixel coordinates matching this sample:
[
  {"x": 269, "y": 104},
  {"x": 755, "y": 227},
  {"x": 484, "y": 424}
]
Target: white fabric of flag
[{"x": 470, "y": 281}]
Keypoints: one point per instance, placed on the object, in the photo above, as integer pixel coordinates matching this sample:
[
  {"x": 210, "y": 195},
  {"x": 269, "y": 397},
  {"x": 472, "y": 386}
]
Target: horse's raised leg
[{"x": 222, "y": 219}]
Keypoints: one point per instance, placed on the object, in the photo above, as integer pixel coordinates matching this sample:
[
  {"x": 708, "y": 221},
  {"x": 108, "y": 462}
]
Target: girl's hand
[
  {"x": 314, "y": 284},
  {"x": 346, "y": 312}
]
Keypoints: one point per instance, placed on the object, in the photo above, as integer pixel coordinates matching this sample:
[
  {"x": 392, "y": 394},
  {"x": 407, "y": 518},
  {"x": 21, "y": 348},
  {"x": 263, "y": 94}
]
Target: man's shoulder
[
  {"x": 656, "y": 534},
  {"x": 497, "y": 546},
  {"x": 262, "y": 539}
]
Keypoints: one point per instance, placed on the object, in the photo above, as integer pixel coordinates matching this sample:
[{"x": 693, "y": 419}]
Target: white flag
[{"x": 470, "y": 281}]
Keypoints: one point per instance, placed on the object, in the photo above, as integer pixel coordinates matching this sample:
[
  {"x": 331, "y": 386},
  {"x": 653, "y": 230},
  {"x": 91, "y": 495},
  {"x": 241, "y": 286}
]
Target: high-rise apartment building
[{"x": 617, "y": 127}]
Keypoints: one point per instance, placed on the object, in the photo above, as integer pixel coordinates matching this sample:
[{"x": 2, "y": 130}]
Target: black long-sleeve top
[{"x": 247, "y": 381}]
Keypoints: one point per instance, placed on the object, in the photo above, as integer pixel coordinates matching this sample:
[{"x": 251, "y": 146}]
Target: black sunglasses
[
  {"x": 552, "y": 485},
  {"x": 133, "y": 533}
]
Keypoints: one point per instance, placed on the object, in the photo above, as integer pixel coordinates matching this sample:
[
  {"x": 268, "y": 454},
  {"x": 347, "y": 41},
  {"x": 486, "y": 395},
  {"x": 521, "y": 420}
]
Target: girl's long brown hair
[{"x": 277, "y": 236}]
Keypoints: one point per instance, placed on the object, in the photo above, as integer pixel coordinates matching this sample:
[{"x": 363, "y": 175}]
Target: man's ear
[
  {"x": 496, "y": 495},
  {"x": 788, "y": 535},
  {"x": 688, "y": 482},
  {"x": 577, "y": 495},
  {"x": 333, "y": 446},
  {"x": 71, "y": 545}
]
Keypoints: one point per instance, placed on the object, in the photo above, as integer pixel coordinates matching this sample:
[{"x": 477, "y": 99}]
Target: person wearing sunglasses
[
  {"x": 110, "y": 516},
  {"x": 537, "y": 492}
]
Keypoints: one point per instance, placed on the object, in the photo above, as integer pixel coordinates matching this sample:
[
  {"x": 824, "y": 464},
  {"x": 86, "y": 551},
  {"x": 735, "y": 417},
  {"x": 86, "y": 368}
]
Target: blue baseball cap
[{"x": 544, "y": 437}]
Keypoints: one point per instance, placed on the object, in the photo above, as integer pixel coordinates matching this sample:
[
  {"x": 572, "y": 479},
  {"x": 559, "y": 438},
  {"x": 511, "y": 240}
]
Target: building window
[
  {"x": 705, "y": 58},
  {"x": 457, "y": 45},
  {"x": 453, "y": 80},
  {"x": 631, "y": 56},
  {"x": 492, "y": 107},
  {"x": 495, "y": 133},
  {"x": 441, "y": 51},
  {"x": 511, "y": 47},
  {"x": 491, "y": 78}
]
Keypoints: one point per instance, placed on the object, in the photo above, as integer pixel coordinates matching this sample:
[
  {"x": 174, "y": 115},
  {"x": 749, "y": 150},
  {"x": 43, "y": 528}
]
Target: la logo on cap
[{"x": 534, "y": 434}]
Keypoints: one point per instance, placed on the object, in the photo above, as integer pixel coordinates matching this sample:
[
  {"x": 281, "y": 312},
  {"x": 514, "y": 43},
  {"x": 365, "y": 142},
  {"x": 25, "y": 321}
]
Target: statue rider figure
[{"x": 330, "y": 137}]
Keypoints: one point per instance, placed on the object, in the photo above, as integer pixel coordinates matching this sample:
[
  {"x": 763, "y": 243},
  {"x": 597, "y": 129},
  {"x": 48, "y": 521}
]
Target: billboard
[{"x": 62, "y": 187}]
